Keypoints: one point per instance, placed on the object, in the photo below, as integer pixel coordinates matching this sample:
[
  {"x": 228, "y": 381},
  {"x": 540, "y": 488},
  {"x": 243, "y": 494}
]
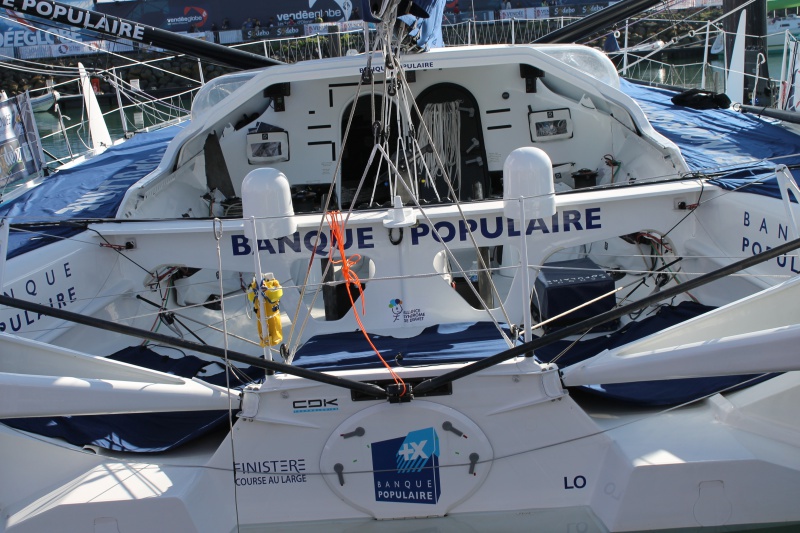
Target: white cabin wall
[
  {"x": 641, "y": 161},
  {"x": 314, "y": 135},
  {"x": 314, "y": 114},
  {"x": 315, "y": 110}
]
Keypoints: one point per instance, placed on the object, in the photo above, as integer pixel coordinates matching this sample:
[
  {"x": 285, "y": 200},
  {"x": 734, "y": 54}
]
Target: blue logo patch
[{"x": 406, "y": 469}]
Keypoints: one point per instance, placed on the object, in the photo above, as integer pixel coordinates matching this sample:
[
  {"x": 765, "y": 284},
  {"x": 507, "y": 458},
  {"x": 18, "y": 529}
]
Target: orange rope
[{"x": 338, "y": 234}]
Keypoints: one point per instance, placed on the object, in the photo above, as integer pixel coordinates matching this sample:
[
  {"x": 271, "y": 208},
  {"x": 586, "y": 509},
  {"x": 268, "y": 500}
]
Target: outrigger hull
[{"x": 510, "y": 450}]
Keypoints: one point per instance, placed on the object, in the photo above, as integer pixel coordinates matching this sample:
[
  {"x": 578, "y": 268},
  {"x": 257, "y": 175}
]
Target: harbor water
[{"x": 65, "y": 132}]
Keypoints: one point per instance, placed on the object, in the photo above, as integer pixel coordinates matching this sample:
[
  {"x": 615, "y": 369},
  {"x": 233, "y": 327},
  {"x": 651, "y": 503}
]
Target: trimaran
[{"x": 464, "y": 289}]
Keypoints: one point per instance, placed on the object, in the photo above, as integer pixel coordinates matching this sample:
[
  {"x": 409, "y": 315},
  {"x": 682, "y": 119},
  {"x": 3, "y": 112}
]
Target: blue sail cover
[
  {"x": 744, "y": 147},
  {"x": 427, "y": 31},
  {"x": 93, "y": 189}
]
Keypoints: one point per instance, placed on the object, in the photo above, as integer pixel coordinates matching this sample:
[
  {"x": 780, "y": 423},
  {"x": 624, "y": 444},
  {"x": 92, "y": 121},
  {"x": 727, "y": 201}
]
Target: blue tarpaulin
[
  {"x": 93, "y": 189},
  {"x": 744, "y": 147},
  {"x": 444, "y": 343}
]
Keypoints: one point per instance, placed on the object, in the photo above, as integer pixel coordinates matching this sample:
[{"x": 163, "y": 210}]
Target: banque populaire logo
[{"x": 406, "y": 469}]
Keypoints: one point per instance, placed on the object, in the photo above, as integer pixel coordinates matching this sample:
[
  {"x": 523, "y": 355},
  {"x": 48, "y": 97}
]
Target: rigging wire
[
  {"x": 675, "y": 40},
  {"x": 218, "y": 232},
  {"x": 128, "y": 61}
]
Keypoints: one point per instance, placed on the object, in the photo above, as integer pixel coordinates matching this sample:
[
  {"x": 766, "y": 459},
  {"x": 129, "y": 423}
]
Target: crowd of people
[{"x": 254, "y": 23}]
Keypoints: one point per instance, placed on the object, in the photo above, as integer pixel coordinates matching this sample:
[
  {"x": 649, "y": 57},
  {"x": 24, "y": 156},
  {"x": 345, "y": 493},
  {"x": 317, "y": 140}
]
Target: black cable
[
  {"x": 163, "y": 311},
  {"x": 602, "y": 318},
  {"x": 85, "y": 227},
  {"x": 313, "y": 375}
]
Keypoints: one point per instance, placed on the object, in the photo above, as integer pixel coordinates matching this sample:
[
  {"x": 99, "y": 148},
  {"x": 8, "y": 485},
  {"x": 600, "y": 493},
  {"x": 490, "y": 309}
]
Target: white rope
[{"x": 442, "y": 130}]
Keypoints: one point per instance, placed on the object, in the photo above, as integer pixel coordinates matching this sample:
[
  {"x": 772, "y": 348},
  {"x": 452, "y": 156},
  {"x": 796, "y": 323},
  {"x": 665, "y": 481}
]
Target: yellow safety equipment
[{"x": 272, "y": 292}]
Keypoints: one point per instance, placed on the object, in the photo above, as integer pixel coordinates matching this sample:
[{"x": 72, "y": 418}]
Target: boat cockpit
[{"x": 372, "y": 131}]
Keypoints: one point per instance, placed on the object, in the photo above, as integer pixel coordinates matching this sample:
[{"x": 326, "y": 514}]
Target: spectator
[
  {"x": 318, "y": 20},
  {"x": 507, "y": 4},
  {"x": 271, "y": 22},
  {"x": 355, "y": 15},
  {"x": 192, "y": 28},
  {"x": 225, "y": 24},
  {"x": 215, "y": 32},
  {"x": 291, "y": 20}
]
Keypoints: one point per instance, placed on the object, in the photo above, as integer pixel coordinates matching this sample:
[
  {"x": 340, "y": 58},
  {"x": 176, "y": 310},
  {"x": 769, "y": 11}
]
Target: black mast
[
  {"x": 126, "y": 29},
  {"x": 597, "y": 21}
]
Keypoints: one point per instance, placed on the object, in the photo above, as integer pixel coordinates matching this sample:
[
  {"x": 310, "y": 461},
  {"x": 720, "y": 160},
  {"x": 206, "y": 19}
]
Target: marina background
[{"x": 139, "y": 118}]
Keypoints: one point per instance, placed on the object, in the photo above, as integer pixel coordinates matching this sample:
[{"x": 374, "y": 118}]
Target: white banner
[
  {"x": 322, "y": 27},
  {"x": 352, "y": 25},
  {"x": 692, "y": 4},
  {"x": 26, "y": 37},
  {"x": 512, "y": 14},
  {"x": 540, "y": 12},
  {"x": 8, "y": 120}
]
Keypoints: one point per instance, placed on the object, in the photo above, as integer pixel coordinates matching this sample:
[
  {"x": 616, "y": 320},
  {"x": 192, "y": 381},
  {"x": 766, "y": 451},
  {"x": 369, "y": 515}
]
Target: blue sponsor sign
[{"x": 406, "y": 469}]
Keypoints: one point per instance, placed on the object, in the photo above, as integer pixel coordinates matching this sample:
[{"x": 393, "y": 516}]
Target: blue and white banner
[
  {"x": 20, "y": 148},
  {"x": 18, "y": 30}
]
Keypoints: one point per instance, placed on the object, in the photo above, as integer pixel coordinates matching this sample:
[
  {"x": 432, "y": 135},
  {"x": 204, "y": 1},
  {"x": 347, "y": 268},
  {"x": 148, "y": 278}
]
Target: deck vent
[{"x": 530, "y": 74}]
